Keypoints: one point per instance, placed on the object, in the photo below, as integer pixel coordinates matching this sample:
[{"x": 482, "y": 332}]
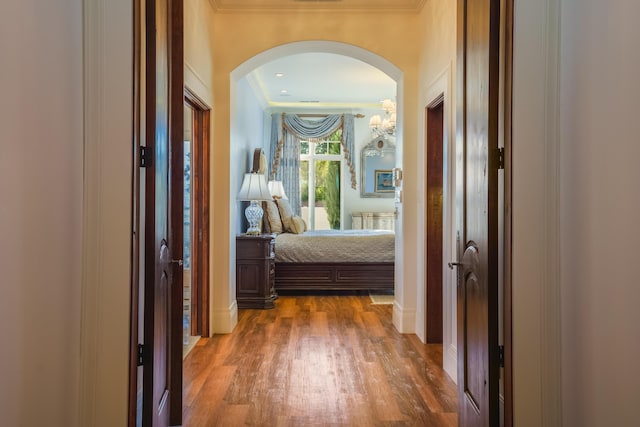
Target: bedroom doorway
[{"x": 195, "y": 313}]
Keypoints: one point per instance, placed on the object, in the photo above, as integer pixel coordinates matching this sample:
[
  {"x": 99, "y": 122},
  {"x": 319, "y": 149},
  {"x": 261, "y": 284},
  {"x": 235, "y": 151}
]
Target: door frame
[
  {"x": 507, "y": 291},
  {"x": 441, "y": 88},
  {"x": 135, "y": 332},
  {"x": 175, "y": 111},
  {"x": 200, "y": 196}
]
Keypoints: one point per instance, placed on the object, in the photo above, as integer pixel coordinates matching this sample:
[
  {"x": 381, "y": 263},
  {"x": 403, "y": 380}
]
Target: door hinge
[
  {"x": 140, "y": 354},
  {"x": 501, "y": 355},
  {"x": 145, "y": 157},
  {"x": 501, "y": 158}
]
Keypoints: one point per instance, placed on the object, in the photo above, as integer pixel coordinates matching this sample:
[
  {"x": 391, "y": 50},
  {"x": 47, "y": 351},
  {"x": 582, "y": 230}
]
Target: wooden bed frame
[{"x": 334, "y": 276}]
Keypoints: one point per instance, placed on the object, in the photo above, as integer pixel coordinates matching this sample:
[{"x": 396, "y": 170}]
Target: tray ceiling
[
  {"x": 316, "y": 80},
  {"x": 354, "y": 5}
]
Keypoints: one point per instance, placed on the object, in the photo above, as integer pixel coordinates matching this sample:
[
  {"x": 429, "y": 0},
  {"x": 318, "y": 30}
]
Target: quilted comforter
[{"x": 336, "y": 246}]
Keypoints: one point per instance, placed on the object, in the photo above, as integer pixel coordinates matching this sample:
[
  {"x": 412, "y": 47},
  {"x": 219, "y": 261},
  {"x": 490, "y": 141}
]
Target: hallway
[{"x": 317, "y": 360}]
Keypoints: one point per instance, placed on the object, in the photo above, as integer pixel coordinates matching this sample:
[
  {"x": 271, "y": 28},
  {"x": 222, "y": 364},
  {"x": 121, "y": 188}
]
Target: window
[{"x": 321, "y": 170}]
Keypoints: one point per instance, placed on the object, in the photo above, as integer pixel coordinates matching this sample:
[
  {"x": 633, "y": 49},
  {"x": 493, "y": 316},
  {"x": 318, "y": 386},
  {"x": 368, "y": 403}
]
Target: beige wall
[
  {"x": 239, "y": 37},
  {"x": 437, "y": 76},
  {"x": 198, "y": 48},
  {"x": 40, "y": 212},
  {"x": 599, "y": 205},
  {"x": 198, "y": 76}
]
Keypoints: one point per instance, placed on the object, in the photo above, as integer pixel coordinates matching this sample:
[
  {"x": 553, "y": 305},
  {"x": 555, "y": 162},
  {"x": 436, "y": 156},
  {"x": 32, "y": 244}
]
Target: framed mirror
[{"x": 377, "y": 160}]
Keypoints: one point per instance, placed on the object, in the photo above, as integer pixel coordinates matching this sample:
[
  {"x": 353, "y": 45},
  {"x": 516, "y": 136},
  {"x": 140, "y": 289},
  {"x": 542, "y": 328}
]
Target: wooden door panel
[
  {"x": 478, "y": 62},
  {"x": 475, "y": 327},
  {"x": 162, "y": 364},
  {"x": 434, "y": 220},
  {"x": 162, "y": 309}
]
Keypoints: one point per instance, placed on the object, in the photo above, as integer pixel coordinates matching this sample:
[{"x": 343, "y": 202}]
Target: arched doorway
[{"x": 300, "y": 47}]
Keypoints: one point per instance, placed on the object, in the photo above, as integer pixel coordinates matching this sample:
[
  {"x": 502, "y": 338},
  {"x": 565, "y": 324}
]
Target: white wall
[
  {"x": 40, "y": 212},
  {"x": 599, "y": 205}
]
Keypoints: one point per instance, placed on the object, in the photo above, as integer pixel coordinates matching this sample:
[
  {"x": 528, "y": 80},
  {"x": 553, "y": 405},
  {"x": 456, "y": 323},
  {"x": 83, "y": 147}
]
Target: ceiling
[
  {"x": 341, "y": 5},
  {"x": 321, "y": 81}
]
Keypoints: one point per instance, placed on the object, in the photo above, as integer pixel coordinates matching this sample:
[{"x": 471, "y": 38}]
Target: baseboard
[
  {"x": 404, "y": 319},
  {"x": 224, "y": 321},
  {"x": 450, "y": 362}
]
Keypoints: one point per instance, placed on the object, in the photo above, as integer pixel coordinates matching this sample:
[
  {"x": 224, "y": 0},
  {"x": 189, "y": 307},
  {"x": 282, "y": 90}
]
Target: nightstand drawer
[{"x": 258, "y": 247}]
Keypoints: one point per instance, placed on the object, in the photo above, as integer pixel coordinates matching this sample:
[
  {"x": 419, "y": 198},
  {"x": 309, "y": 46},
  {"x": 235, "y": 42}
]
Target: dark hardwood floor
[{"x": 329, "y": 360}]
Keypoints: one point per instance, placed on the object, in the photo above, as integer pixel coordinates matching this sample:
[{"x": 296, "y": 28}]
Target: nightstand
[{"x": 255, "y": 270}]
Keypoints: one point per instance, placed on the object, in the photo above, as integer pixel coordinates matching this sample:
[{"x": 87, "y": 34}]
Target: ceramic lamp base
[{"x": 254, "y": 213}]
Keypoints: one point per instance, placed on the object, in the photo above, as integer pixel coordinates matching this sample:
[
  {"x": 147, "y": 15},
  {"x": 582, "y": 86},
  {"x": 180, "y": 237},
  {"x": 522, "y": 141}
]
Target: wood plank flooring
[{"x": 328, "y": 360}]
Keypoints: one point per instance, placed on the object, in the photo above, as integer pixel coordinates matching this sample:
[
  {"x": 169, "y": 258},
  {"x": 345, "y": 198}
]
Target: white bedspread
[{"x": 336, "y": 246}]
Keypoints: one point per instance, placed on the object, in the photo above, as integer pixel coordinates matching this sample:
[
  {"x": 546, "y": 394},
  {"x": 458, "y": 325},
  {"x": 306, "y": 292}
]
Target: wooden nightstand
[{"x": 255, "y": 271}]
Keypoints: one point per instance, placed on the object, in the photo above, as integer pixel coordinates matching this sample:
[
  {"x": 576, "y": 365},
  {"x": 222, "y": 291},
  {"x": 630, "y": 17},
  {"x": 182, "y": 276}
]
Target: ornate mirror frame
[{"x": 377, "y": 160}]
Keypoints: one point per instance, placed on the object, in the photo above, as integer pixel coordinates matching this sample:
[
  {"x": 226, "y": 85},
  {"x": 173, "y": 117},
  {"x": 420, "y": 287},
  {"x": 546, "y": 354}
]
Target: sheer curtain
[{"x": 286, "y": 132}]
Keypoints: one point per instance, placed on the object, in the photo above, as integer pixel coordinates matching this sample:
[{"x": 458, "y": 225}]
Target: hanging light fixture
[{"x": 387, "y": 125}]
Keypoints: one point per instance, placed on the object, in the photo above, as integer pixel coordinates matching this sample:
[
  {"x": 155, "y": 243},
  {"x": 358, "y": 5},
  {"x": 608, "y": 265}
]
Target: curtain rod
[{"x": 357, "y": 116}]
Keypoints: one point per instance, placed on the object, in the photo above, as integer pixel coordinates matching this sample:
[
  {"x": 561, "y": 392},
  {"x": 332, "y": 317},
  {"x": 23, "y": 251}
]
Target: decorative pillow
[
  {"x": 298, "y": 226},
  {"x": 272, "y": 217},
  {"x": 285, "y": 213}
]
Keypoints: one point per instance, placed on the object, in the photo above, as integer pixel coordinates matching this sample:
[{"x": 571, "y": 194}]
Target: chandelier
[{"x": 387, "y": 125}]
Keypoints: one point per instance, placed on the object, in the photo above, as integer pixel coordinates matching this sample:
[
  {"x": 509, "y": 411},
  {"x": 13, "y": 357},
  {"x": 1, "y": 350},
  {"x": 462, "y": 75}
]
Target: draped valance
[{"x": 287, "y": 130}]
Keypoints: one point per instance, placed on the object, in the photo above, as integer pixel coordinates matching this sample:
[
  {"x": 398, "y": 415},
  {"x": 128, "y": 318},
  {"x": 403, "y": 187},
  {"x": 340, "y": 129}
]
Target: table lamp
[
  {"x": 254, "y": 188},
  {"x": 277, "y": 190}
]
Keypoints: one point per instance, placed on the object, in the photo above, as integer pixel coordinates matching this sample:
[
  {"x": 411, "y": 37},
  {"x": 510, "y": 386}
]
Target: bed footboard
[{"x": 334, "y": 276}]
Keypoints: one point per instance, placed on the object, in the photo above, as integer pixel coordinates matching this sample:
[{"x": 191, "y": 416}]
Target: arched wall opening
[{"x": 294, "y": 48}]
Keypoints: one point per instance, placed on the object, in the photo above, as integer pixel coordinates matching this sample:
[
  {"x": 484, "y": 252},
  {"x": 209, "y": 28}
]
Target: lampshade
[
  {"x": 277, "y": 190},
  {"x": 392, "y": 119},
  {"x": 389, "y": 106},
  {"x": 254, "y": 187},
  {"x": 375, "y": 121}
]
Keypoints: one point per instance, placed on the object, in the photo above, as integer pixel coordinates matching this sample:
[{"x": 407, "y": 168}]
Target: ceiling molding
[
  {"x": 326, "y": 105},
  {"x": 368, "y": 6}
]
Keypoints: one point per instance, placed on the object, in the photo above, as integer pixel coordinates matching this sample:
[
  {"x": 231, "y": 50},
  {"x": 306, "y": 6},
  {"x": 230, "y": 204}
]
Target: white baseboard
[
  {"x": 404, "y": 319},
  {"x": 224, "y": 321},
  {"x": 450, "y": 362}
]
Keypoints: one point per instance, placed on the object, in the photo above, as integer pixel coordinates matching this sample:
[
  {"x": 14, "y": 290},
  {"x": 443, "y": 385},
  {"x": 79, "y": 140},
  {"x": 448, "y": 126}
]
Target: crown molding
[
  {"x": 369, "y": 6},
  {"x": 257, "y": 86},
  {"x": 325, "y": 105}
]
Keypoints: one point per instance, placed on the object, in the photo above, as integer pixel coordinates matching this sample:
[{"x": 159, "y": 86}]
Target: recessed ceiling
[
  {"x": 321, "y": 80},
  {"x": 353, "y": 5}
]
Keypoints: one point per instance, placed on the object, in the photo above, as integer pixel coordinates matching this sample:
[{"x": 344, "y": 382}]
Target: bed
[{"x": 335, "y": 260}]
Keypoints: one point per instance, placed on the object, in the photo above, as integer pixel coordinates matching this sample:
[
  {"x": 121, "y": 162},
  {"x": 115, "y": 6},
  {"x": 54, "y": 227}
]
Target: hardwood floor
[{"x": 324, "y": 360}]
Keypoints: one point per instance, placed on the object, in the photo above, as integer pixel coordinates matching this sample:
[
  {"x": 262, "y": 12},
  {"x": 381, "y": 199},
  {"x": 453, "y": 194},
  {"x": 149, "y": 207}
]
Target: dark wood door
[
  {"x": 435, "y": 136},
  {"x": 477, "y": 207},
  {"x": 162, "y": 363}
]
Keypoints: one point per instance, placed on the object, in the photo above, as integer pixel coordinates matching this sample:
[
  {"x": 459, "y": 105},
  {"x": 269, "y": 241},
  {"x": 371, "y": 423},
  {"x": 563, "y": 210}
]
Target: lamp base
[{"x": 253, "y": 213}]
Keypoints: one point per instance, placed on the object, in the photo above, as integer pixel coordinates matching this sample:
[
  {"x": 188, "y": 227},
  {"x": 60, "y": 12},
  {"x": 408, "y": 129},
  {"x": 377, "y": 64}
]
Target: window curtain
[{"x": 286, "y": 132}]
